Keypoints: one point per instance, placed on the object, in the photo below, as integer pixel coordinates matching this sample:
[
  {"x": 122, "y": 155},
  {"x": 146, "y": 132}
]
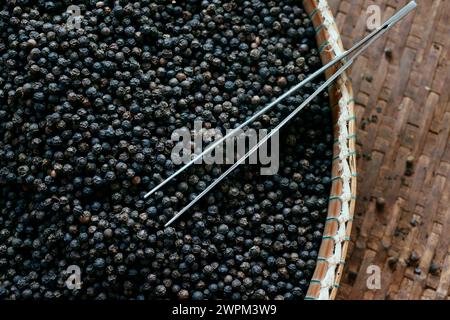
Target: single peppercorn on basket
[{"x": 331, "y": 259}]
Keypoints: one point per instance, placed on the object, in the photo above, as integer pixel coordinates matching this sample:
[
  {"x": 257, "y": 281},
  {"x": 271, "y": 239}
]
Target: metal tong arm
[
  {"x": 363, "y": 44},
  {"x": 374, "y": 34}
]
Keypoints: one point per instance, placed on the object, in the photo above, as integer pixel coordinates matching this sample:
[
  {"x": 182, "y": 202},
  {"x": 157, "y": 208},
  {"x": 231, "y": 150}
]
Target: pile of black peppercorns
[{"x": 86, "y": 117}]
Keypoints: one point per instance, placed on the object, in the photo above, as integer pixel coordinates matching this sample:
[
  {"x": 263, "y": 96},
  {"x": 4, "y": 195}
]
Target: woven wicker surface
[
  {"x": 325, "y": 281},
  {"x": 403, "y": 110}
]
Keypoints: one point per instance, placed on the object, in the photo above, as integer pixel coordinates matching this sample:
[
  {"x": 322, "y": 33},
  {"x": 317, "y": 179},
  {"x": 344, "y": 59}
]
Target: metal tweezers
[{"x": 359, "y": 48}]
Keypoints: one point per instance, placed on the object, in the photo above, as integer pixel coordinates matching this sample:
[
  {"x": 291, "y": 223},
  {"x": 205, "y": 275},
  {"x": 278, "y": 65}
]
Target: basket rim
[{"x": 333, "y": 248}]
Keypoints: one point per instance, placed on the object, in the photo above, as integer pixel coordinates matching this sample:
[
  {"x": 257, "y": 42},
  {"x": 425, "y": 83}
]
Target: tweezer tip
[
  {"x": 168, "y": 223},
  {"x": 148, "y": 194}
]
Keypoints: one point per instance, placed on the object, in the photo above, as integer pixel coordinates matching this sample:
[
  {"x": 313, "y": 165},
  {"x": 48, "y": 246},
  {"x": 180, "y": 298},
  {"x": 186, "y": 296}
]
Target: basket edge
[{"x": 325, "y": 281}]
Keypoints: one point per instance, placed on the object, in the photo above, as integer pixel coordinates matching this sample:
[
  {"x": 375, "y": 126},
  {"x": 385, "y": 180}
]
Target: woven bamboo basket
[{"x": 331, "y": 259}]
